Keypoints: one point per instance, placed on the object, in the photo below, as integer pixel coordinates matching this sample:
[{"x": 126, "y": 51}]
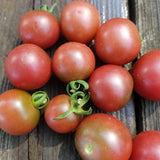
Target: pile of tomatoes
[{"x": 110, "y": 86}]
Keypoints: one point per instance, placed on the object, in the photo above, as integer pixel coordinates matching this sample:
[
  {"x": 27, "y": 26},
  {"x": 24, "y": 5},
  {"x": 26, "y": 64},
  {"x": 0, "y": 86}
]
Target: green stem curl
[
  {"x": 40, "y": 99},
  {"x": 44, "y": 7}
]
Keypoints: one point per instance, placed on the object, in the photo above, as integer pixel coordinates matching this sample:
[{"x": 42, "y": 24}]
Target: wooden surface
[{"x": 138, "y": 115}]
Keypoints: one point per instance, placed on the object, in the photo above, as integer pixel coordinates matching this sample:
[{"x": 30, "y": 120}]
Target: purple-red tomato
[
  {"x": 117, "y": 41},
  {"x": 73, "y": 61},
  {"x": 146, "y": 75},
  {"x": 18, "y": 115},
  {"x": 146, "y": 145},
  {"x": 102, "y": 137},
  {"x": 110, "y": 87},
  {"x": 80, "y": 21},
  {"x": 39, "y": 27},
  {"x": 56, "y": 107},
  {"x": 28, "y": 67}
]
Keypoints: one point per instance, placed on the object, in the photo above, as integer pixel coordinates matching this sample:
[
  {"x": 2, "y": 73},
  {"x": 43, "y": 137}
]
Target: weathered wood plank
[{"x": 147, "y": 18}]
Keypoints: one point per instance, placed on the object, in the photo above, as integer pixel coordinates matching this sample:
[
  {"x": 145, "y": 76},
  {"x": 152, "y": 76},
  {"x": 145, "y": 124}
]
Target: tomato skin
[
  {"x": 40, "y": 28},
  {"x": 117, "y": 41},
  {"x": 146, "y": 146},
  {"x": 57, "y": 106},
  {"x": 73, "y": 61},
  {"x": 79, "y": 21},
  {"x": 18, "y": 116},
  {"x": 102, "y": 137},
  {"x": 146, "y": 75},
  {"x": 28, "y": 67},
  {"x": 110, "y": 87}
]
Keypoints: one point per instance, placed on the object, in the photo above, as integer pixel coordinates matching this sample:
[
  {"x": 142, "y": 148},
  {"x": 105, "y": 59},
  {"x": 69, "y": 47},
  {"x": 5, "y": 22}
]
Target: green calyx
[
  {"x": 44, "y": 7},
  {"x": 79, "y": 96},
  {"x": 40, "y": 99}
]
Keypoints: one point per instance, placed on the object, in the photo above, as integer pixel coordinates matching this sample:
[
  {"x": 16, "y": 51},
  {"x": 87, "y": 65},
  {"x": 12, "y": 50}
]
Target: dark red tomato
[
  {"x": 146, "y": 75},
  {"x": 40, "y": 28},
  {"x": 117, "y": 41},
  {"x": 73, "y": 61},
  {"x": 146, "y": 145},
  {"x": 110, "y": 87},
  {"x": 18, "y": 116},
  {"x": 56, "y": 107},
  {"x": 103, "y": 137},
  {"x": 28, "y": 67},
  {"x": 80, "y": 21}
]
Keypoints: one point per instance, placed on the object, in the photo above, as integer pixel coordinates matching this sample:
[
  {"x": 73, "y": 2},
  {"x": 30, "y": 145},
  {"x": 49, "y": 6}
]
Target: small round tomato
[
  {"x": 146, "y": 75},
  {"x": 73, "y": 61},
  {"x": 102, "y": 137},
  {"x": 56, "y": 107},
  {"x": 117, "y": 41},
  {"x": 79, "y": 21},
  {"x": 28, "y": 67},
  {"x": 18, "y": 115},
  {"x": 39, "y": 27},
  {"x": 110, "y": 87},
  {"x": 146, "y": 145}
]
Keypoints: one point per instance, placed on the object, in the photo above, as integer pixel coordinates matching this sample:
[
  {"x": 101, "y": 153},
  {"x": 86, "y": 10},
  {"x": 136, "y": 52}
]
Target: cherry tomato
[
  {"x": 39, "y": 27},
  {"x": 117, "y": 41},
  {"x": 110, "y": 87},
  {"x": 146, "y": 75},
  {"x": 18, "y": 115},
  {"x": 103, "y": 137},
  {"x": 28, "y": 67},
  {"x": 56, "y": 107},
  {"x": 79, "y": 21},
  {"x": 146, "y": 145},
  {"x": 73, "y": 61}
]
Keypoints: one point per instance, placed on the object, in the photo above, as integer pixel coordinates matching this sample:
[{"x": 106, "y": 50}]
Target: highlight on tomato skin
[
  {"x": 80, "y": 21},
  {"x": 101, "y": 136}
]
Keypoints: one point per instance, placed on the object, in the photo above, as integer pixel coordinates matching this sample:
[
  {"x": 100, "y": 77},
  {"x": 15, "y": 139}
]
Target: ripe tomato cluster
[{"x": 110, "y": 86}]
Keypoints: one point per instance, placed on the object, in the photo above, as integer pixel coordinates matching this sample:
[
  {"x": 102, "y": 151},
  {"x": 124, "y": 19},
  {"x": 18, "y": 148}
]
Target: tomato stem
[
  {"x": 78, "y": 100},
  {"x": 40, "y": 99},
  {"x": 44, "y": 7},
  {"x": 78, "y": 85}
]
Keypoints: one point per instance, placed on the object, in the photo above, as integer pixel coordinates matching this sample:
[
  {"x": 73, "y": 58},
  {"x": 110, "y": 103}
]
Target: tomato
[
  {"x": 117, "y": 41},
  {"x": 57, "y": 106},
  {"x": 73, "y": 61},
  {"x": 28, "y": 67},
  {"x": 39, "y": 27},
  {"x": 146, "y": 75},
  {"x": 146, "y": 145},
  {"x": 110, "y": 87},
  {"x": 79, "y": 21},
  {"x": 18, "y": 115},
  {"x": 102, "y": 137}
]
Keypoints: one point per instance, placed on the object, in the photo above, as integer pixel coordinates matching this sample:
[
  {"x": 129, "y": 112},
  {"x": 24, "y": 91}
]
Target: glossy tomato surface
[
  {"x": 28, "y": 67},
  {"x": 40, "y": 28},
  {"x": 146, "y": 75},
  {"x": 102, "y": 137},
  {"x": 73, "y": 61},
  {"x": 146, "y": 145},
  {"x": 18, "y": 116},
  {"x": 110, "y": 87},
  {"x": 80, "y": 21},
  {"x": 57, "y": 106},
  {"x": 117, "y": 41}
]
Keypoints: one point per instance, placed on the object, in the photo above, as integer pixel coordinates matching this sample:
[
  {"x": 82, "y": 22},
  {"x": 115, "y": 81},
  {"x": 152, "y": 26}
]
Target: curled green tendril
[
  {"x": 44, "y": 7},
  {"x": 78, "y": 100},
  {"x": 40, "y": 99},
  {"x": 78, "y": 85}
]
